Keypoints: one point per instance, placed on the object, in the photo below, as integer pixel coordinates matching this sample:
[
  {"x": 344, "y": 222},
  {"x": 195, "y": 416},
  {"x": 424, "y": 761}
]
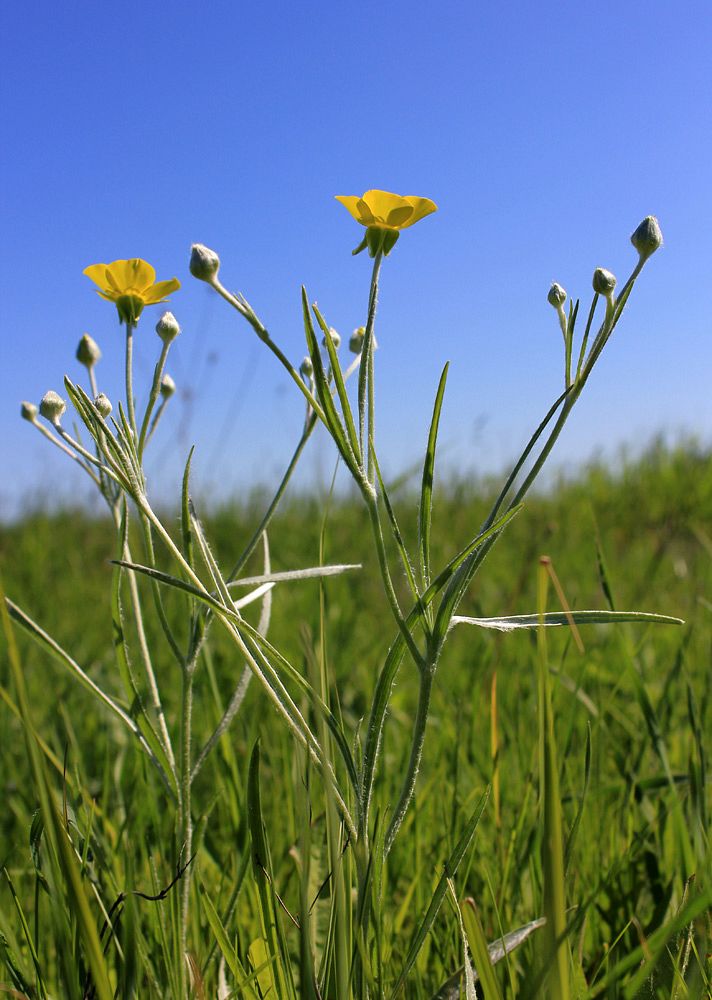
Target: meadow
[{"x": 339, "y": 747}]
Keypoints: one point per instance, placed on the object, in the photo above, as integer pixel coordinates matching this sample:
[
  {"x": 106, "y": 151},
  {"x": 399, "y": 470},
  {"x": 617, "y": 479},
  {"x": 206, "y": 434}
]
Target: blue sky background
[{"x": 545, "y": 132}]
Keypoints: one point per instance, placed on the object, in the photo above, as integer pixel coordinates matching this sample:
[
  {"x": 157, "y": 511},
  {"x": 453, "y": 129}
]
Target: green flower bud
[
  {"x": 306, "y": 367},
  {"x": 52, "y": 406},
  {"x": 167, "y": 327},
  {"x": 556, "y": 296},
  {"x": 204, "y": 262},
  {"x": 335, "y": 338},
  {"x": 648, "y": 237},
  {"x": 103, "y": 405},
  {"x": 168, "y": 387},
  {"x": 356, "y": 340},
  {"x": 88, "y": 352},
  {"x": 603, "y": 282},
  {"x": 28, "y": 411}
]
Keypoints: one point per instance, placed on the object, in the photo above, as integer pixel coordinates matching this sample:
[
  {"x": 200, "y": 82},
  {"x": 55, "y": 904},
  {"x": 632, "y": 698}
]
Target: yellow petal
[
  {"x": 133, "y": 274},
  {"x": 109, "y": 296},
  {"x": 365, "y": 215},
  {"x": 421, "y": 208},
  {"x": 382, "y": 203},
  {"x": 350, "y": 201},
  {"x": 158, "y": 292},
  {"x": 398, "y": 217},
  {"x": 97, "y": 273}
]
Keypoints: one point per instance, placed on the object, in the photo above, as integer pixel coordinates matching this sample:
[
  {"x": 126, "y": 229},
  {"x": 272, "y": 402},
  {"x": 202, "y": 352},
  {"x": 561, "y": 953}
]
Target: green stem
[
  {"x": 264, "y": 336},
  {"x": 416, "y": 752},
  {"x": 185, "y": 838},
  {"x": 372, "y": 504},
  {"x": 130, "y": 327},
  {"x": 155, "y": 390},
  {"x": 365, "y": 375}
]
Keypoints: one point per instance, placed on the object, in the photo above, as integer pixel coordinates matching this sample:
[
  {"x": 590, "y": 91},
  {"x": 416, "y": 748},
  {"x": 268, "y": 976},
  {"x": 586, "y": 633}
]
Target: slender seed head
[
  {"x": 167, "y": 327},
  {"x": 603, "y": 281},
  {"x": 52, "y": 406},
  {"x": 556, "y": 296},
  {"x": 648, "y": 237},
  {"x": 168, "y": 387},
  {"x": 103, "y": 405},
  {"x": 306, "y": 367},
  {"x": 204, "y": 262},
  {"x": 28, "y": 411},
  {"x": 356, "y": 340},
  {"x": 88, "y": 352}
]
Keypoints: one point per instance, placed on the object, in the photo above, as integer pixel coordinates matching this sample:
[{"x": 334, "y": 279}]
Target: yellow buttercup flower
[
  {"x": 131, "y": 284},
  {"x": 384, "y": 215}
]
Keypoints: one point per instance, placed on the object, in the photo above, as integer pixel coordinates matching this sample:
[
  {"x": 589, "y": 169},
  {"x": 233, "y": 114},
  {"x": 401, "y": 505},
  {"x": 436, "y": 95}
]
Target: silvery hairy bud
[
  {"x": 204, "y": 262},
  {"x": 603, "y": 282},
  {"x": 306, "y": 367},
  {"x": 556, "y": 296},
  {"x": 103, "y": 405},
  {"x": 168, "y": 387},
  {"x": 88, "y": 352},
  {"x": 28, "y": 411},
  {"x": 648, "y": 237},
  {"x": 52, "y": 406},
  {"x": 356, "y": 340},
  {"x": 335, "y": 338},
  {"x": 167, "y": 327}
]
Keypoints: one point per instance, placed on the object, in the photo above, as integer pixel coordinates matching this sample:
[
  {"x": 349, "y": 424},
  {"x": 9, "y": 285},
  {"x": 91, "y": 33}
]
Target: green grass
[{"x": 622, "y": 728}]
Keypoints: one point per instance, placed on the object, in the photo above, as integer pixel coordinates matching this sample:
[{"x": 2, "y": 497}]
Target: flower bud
[
  {"x": 28, "y": 411},
  {"x": 52, "y": 406},
  {"x": 556, "y": 296},
  {"x": 356, "y": 340},
  {"x": 103, "y": 405},
  {"x": 306, "y": 367},
  {"x": 603, "y": 282},
  {"x": 167, "y": 327},
  {"x": 204, "y": 262},
  {"x": 335, "y": 338},
  {"x": 647, "y": 237},
  {"x": 168, "y": 387},
  {"x": 88, "y": 352}
]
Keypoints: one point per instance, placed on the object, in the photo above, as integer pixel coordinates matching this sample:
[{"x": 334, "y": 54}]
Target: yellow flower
[
  {"x": 384, "y": 215},
  {"x": 131, "y": 284},
  {"x": 383, "y": 210}
]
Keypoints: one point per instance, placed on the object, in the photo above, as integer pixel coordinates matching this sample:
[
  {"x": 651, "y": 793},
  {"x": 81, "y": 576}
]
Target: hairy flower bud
[
  {"x": 52, "y": 406},
  {"x": 167, "y": 327},
  {"x": 28, "y": 411},
  {"x": 648, "y": 237},
  {"x": 356, "y": 340},
  {"x": 306, "y": 367},
  {"x": 88, "y": 352},
  {"x": 204, "y": 262},
  {"x": 335, "y": 338},
  {"x": 556, "y": 296},
  {"x": 603, "y": 282},
  {"x": 168, "y": 387},
  {"x": 103, "y": 405}
]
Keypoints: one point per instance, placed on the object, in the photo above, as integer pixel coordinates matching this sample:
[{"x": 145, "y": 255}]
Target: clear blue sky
[{"x": 545, "y": 132}]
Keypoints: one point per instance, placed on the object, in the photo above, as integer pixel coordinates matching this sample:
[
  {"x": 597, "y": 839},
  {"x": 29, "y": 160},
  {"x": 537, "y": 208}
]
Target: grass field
[{"x": 620, "y": 724}]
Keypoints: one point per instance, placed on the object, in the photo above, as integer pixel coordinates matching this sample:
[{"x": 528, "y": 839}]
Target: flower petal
[
  {"x": 398, "y": 217},
  {"x": 159, "y": 291},
  {"x": 133, "y": 274},
  {"x": 421, "y": 208},
  {"x": 350, "y": 201},
  {"x": 382, "y": 203},
  {"x": 97, "y": 274},
  {"x": 365, "y": 215}
]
